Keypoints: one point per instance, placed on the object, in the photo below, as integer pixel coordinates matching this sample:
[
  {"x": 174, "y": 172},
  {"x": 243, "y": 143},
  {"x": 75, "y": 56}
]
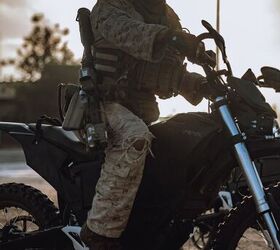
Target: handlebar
[{"x": 205, "y": 61}]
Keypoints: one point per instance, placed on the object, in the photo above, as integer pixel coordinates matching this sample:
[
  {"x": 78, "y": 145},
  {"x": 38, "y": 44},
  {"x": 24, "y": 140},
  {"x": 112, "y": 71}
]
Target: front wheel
[{"x": 242, "y": 228}]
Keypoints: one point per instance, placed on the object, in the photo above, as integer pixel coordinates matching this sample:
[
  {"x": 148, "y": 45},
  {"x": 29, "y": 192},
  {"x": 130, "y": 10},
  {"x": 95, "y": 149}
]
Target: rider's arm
[{"x": 118, "y": 25}]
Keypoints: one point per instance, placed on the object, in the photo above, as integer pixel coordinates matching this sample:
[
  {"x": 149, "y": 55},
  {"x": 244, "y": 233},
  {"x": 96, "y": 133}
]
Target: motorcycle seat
[{"x": 66, "y": 140}]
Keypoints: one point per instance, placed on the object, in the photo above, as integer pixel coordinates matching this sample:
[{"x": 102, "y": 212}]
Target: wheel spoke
[
  {"x": 18, "y": 217},
  {"x": 24, "y": 225},
  {"x": 5, "y": 211}
]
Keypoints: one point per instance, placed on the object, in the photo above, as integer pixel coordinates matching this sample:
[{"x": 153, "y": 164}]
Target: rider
[{"x": 139, "y": 49}]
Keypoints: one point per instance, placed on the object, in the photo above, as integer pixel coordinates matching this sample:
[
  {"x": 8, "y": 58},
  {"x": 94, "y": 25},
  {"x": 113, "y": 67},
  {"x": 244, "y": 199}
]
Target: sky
[{"x": 250, "y": 28}]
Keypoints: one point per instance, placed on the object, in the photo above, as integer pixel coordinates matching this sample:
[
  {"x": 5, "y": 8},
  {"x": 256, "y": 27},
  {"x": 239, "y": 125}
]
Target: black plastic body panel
[{"x": 72, "y": 176}]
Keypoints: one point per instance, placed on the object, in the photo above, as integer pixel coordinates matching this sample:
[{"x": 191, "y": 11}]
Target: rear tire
[{"x": 27, "y": 208}]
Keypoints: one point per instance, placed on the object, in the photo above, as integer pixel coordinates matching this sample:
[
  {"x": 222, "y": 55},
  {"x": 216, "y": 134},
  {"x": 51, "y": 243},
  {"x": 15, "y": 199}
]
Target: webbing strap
[
  {"x": 218, "y": 104},
  {"x": 106, "y": 61},
  {"x": 106, "y": 68},
  {"x": 105, "y": 56},
  {"x": 237, "y": 139}
]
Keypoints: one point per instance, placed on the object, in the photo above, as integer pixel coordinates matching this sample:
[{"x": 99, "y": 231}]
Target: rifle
[{"x": 86, "y": 109}]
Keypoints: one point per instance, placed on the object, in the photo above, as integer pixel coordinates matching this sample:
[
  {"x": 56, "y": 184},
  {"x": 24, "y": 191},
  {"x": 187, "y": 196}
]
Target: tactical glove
[
  {"x": 190, "y": 87},
  {"x": 210, "y": 90},
  {"x": 188, "y": 45},
  {"x": 194, "y": 87}
]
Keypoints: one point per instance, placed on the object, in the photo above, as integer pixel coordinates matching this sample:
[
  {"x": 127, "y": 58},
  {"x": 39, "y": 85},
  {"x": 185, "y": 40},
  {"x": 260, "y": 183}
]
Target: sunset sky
[{"x": 250, "y": 28}]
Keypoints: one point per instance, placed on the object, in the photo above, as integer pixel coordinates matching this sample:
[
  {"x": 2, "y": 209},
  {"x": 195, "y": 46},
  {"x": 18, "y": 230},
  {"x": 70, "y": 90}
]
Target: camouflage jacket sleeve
[{"x": 123, "y": 27}]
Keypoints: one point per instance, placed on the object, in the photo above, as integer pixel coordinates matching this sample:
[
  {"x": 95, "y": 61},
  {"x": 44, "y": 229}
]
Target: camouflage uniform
[{"x": 122, "y": 37}]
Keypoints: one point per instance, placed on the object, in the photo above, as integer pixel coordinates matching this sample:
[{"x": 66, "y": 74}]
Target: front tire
[{"x": 241, "y": 228}]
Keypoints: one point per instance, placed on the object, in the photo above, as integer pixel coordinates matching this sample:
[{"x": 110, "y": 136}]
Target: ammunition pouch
[
  {"x": 163, "y": 78},
  {"x": 74, "y": 109},
  {"x": 67, "y": 98},
  {"x": 70, "y": 90}
]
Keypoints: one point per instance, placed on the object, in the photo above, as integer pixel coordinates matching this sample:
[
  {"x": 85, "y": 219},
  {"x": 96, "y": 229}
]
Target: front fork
[{"x": 249, "y": 170}]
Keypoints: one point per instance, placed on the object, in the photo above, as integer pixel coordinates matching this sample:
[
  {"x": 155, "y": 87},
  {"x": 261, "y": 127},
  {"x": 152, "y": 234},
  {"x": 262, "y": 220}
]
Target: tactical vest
[
  {"x": 143, "y": 79},
  {"x": 162, "y": 78}
]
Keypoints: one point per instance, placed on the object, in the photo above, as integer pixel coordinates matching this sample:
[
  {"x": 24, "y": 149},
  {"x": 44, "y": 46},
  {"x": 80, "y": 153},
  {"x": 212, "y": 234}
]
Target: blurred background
[{"x": 40, "y": 48}]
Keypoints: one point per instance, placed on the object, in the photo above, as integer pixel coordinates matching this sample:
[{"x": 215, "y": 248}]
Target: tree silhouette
[{"x": 42, "y": 46}]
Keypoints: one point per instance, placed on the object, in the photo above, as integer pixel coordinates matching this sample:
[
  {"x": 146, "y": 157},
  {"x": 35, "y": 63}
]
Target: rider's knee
[{"x": 140, "y": 144}]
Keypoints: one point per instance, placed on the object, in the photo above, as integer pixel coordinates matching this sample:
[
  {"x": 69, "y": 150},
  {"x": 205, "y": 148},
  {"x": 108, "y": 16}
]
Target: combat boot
[{"x": 98, "y": 242}]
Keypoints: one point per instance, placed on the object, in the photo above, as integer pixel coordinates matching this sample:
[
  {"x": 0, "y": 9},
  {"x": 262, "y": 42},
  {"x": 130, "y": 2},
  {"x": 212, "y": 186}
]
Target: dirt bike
[{"x": 193, "y": 156}]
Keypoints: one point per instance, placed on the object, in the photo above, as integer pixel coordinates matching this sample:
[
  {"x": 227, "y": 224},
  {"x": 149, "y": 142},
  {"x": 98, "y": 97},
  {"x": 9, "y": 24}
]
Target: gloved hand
[
  {"x": 206, "y": 90},
  {"x": 190, "y": 87},
  {"x": 194, "y": 87},
  {"x": 188, "y": 45},
  {"x": 210, "y": 90}
]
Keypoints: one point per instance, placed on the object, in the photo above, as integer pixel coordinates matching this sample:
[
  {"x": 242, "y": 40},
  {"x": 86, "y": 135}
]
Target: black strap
[
  {"x": 48, "y": 120},
  {"x": 44, "y": 119},
  {"x": 238, "y": 139},
  {"x": 59, "y": 101},
  {"x": 218, "y": 104}
]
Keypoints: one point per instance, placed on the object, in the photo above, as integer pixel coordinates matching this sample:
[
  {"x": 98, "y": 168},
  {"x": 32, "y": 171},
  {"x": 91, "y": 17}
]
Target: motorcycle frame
[{"x": 65, "y": 235}]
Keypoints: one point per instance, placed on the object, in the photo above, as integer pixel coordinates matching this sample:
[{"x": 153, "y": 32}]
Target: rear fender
[
  {"x": 43, "y": 157},
  {"x": 15, "y": 129},
  {"x": 19, "y": 131}
]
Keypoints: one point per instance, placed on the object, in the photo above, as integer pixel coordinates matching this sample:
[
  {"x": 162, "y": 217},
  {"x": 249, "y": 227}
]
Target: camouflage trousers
[{"x": 121, "y": 172}]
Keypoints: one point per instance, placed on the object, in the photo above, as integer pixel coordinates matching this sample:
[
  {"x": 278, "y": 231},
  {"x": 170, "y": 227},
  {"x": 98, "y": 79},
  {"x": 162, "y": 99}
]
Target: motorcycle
[{"x": 193, "y": 156}]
